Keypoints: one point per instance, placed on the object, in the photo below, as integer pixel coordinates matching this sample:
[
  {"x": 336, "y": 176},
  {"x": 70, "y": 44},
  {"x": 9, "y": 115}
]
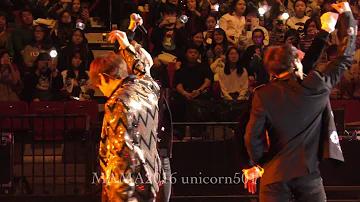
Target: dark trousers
[
  {"x": 302, "y": 189},
  {"x": 165, "y": 190}
]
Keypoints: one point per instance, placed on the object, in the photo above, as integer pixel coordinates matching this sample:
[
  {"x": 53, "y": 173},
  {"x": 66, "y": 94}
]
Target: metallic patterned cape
[{"x": 129, "y": 140}]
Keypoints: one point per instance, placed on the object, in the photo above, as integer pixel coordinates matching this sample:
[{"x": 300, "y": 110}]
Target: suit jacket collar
[{"x": 286, "y": 77}]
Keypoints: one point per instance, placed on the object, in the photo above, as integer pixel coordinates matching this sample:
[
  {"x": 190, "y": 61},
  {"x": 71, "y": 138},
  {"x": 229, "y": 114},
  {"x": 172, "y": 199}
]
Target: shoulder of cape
[{"x": 258, "y": 87}]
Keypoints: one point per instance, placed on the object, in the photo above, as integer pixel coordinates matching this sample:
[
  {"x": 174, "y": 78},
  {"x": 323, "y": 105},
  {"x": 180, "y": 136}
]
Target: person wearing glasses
[{"x": 129, "y": 159}]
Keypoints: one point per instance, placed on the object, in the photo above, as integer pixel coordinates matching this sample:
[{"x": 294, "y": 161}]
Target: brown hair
[
  {"x": 279, "y": 59},
  {"x": 111, "y": 64}
]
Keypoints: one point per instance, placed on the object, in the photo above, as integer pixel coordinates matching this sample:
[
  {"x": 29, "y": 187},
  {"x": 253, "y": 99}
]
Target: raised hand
[
  {"x": 119, "y": 36},
  {"x": 342, "y": 7},
  {"x": 187, "y": 95},
  {"x": 85, "y": 14},
  {"x": 328, "y": 21},
  {"x": 135, "y": 21}
]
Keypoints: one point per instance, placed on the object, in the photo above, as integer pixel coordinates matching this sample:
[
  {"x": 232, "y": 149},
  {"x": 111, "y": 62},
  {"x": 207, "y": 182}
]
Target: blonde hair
[{"x": 111, "y": 64}]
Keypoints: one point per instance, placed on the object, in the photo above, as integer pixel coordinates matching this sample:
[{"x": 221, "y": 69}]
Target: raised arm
[
  {"x": 138, "y": 60},
  {"x": 135, "y": 21},
  {"x": 317, "y": 47},
  {"x": 330, "y": 76},
  {"x": 315, "y": 51}
]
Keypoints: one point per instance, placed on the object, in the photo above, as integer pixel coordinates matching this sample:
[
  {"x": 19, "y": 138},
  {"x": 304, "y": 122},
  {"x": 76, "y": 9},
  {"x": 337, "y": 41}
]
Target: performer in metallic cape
[
  {"x": 164, "y": 135},
  {"x": 297, "y": 117},
  {"x": 128, "y": 148}
]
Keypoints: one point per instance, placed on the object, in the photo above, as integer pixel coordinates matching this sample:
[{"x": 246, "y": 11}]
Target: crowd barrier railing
[
  {"x": 57, "y": 155},
  {"x": 207, "y": 131},
  {"x": 45, "y": 154}
]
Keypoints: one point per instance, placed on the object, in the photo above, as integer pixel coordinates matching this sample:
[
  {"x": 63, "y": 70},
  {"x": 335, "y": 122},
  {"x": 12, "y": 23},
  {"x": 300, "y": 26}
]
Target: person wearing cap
[
  {"x": 297, "y": 144},
  {"x": 45, "y": 82},
  {"x": 5, "y": 37}
]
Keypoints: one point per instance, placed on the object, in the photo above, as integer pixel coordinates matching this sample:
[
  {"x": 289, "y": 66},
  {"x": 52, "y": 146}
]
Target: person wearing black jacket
[
  {"x": 309, "y": 62},
  {"x": 296, "y": 117}
]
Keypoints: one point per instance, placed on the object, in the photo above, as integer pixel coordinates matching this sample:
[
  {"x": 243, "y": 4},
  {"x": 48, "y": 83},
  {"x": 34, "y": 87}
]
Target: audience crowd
[{"x": 207, "y": 52}]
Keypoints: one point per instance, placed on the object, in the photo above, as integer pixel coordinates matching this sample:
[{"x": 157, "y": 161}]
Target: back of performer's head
[
  {"x": 109, "y": 66},
  {"x": 279, "y": 59}
]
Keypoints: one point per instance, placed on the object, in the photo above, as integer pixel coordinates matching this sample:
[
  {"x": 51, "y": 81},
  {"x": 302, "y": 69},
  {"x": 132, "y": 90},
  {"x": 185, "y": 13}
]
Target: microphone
[{"x": 136, "y": 17}]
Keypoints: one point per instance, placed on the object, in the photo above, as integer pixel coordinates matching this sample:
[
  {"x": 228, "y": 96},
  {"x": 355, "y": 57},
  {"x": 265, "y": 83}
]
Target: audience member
[
  {"x": 197, "y": 39},
  {"x": 292, "y": 37},
  {"x": 257, "y": 48},
  {"x": 229, "y": 50},
  {"x": 45, "y": 82},
  {"x": 196, "y": 18},
  {"x": 252, "y": 23},
  {"x": 168, "y": 37},
  {"x": 297, "y": 22},
  {"x": 6, "y": 44},
  {"x": 326, "y": 6},
  {"x": 277, "y": 34},
  {"x": 42, "y": 7},
  {"x": 77, "y": 85},
  {"x": 217, "y": 66},
  {"x": 41, "y": 43},
  {"x": 61, "y": 6},
  {"x": 9, "y": 79},
  {"x": 154, "y": 16},
  {"x": 311, "y": 28},
  {"x": 233, "y": 23},
  {"x": 192, "y": 82},
  {"x": 22, "y": 35},
  {"x": 77, "y": 44},
  {"x": 313, "y": 9},
  {"x": 77, "y": 11},
  {"x": 61, "y": 33},
  {"x": 204, "y": 8},
  {"x": 233, "y": 78},
  {"x": 218, "y": 46},
  {"x": 210, "y": 27},
  {"x": 277, "y": 9}
]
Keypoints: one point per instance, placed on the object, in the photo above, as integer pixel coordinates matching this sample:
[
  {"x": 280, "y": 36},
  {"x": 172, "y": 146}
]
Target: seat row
[{"x": 48, "y": 120}]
